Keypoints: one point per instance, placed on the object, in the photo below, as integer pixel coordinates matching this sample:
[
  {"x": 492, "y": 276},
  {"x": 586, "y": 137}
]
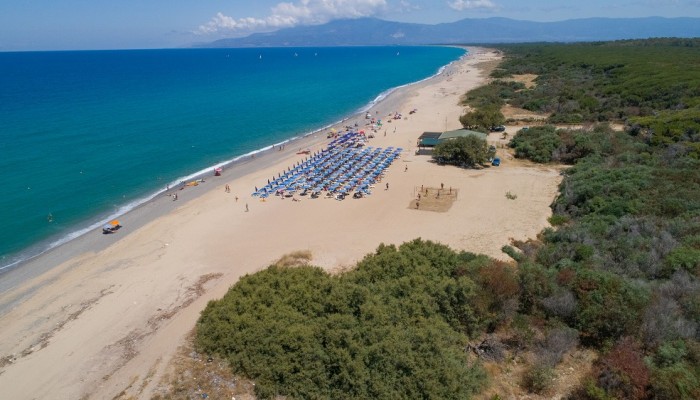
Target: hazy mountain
[{"x": 371, "y": 31}]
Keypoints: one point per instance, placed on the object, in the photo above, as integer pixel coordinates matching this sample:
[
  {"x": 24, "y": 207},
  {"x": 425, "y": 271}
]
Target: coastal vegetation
[
  {"x": 621, "y": 267},
  {"x": 483, "y": 118},
  {"x": 618, "y": 273},
  {"x": 465, "y": 151},
  {"x": 396, "y": 326}
]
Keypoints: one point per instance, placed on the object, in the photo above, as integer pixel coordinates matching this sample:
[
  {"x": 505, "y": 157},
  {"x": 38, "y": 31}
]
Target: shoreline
[
  {"x": 46, "y": 247},
  {"x": 115, "y": 308}
]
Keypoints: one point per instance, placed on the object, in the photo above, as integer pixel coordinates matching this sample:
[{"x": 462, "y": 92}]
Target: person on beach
[
  {"x": 236, "y": 199},
  {"x": 405, "y": 169},
  {"x": 175, "y": 197},
  {"x": 246, "y": 207},
  {"x": 387, "y": 186}
]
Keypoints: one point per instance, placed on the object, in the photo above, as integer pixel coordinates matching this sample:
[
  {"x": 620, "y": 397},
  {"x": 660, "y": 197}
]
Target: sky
[{"x": 128, "y": 24}]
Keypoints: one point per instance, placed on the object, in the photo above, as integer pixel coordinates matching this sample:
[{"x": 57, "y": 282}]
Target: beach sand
[{"x": 102, "y": 315}]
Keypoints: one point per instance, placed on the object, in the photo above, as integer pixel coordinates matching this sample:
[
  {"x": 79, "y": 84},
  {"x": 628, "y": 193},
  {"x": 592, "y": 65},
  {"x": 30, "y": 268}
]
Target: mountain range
[{"x": 376, "y": 32}]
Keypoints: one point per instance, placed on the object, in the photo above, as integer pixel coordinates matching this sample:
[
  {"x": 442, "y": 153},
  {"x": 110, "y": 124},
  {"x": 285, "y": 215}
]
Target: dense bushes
[
  {"x": 604, "y": 81},
  {"x": 537, "y": 144},
  {"x": 394, "y": 327},
  {"x": 482, "y": 119},
  {"x": 623, "y": 265},
  {"x": 544, "y": 144},
  {"x": 463, "y": 151}
]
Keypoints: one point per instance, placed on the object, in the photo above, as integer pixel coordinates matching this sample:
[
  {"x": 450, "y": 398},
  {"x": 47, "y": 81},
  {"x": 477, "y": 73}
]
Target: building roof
[
  {"x": 460, "y": 133},
  {"x": 429, "y": 138},
  {"x": 431, "y": 135}
]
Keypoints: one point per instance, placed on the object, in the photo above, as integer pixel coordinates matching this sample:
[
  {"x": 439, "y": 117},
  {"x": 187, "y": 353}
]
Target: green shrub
[
  {"x": 679, "y": 381},
  {"x": 513, "y": 253},
  {"x": 608, "y": 306},
  {"x": 682, "y": 257},
  {"x": 393, "y": 327},
  {"x": 558, "y": 219},
  {"x": 536, "y": 144},
  {"x": 538, "y": 379},
  {"x": 462, "y": 151},
  {"x": 482, "y": 118}
]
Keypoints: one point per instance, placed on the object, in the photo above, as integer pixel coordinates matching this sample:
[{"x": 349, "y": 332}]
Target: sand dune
[{"x": 108, "y": 318}]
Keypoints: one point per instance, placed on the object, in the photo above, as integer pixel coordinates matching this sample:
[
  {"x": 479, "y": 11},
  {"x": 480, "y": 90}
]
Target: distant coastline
[{"x": 377, "y": 32}]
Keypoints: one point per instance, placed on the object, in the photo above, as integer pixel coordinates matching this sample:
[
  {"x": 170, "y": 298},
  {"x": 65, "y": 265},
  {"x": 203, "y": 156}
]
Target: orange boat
[{"x": 111, "y": 226}]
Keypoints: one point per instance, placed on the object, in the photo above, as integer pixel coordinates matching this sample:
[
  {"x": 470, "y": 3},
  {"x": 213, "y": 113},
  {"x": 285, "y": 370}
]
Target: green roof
[
  {"x": 429, "y": 139},
  {"x": 461, "y": 133}
]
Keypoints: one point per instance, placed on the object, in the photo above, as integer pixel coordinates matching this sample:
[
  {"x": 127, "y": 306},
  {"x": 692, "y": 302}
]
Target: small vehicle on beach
[{"x": 111, "y": 227}]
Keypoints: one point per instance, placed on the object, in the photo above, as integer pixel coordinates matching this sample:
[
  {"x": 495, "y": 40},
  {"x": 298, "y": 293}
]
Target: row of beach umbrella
[{"x": 341, "y": 168}]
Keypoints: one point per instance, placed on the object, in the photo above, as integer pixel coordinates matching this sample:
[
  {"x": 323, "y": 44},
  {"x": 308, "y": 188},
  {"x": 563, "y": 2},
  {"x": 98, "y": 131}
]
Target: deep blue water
[{"x": 85, "y": 135}]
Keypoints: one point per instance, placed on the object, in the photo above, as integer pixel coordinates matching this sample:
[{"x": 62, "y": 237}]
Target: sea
[{"x": 86, "y": 136}]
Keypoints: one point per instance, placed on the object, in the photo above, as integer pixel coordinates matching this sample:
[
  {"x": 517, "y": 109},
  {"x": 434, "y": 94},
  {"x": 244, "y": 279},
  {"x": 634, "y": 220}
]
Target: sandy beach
[{"x": 102, "y": 315}]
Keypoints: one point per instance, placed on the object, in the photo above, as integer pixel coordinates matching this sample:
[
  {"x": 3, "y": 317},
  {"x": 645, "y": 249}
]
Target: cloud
[
  {"x": 461, "y": 5},
  {"x": 406, "y": 6},
  {"x": 288, "y": 14}
]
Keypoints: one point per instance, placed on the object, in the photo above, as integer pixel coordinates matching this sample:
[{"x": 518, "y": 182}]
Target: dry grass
[
  {"x": 487, "y": 67},
  {"x": 527, "y": 79},
  {"x": 506, "y": 377},
  {"x": 294, "y": 259},
  {"x": 194, "y": 375},
  {"x": 520, "y": 114},
  {"x": 434, "y": 199}
]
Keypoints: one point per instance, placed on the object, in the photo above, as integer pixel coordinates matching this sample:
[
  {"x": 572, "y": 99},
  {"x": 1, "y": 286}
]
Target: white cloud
[
  {"x": 288, "y": 14},
  {"x": 405, "y": 5},
  {"x": 461, "y": 5}
]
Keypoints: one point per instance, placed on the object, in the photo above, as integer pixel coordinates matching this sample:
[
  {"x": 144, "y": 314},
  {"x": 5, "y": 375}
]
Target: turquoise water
[{"x": 89, "y": 135}]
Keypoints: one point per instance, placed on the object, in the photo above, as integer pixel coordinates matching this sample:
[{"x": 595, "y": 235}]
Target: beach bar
[{"x": 428, "y": 140}]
